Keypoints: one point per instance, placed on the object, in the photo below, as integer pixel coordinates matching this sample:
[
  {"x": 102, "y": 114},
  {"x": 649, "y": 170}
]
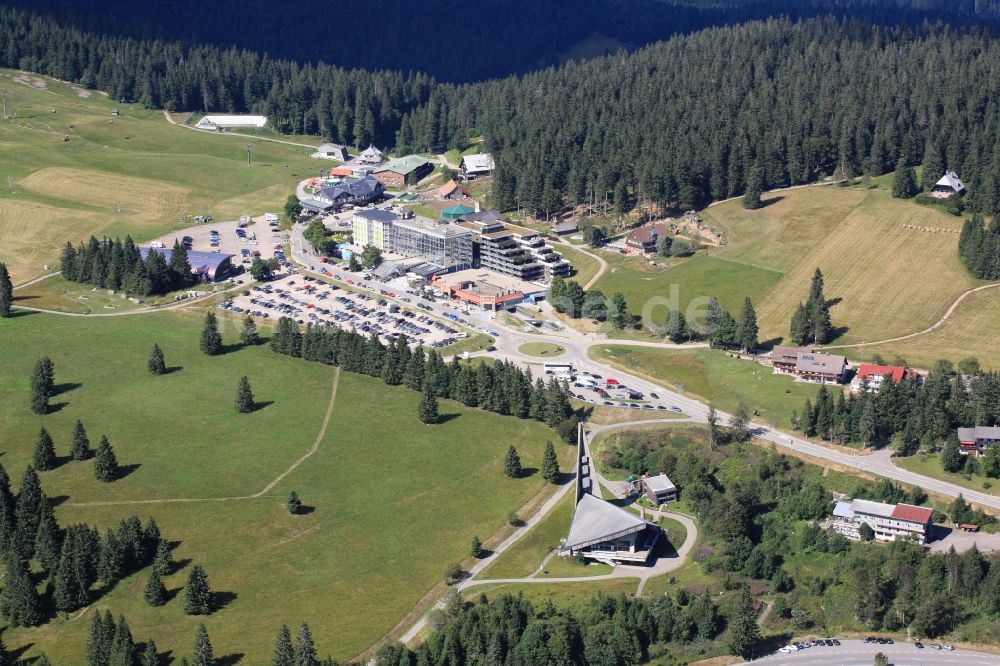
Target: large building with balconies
[
  {"x": 887, "y": 521},
  {"x": 512, "y": 250}
]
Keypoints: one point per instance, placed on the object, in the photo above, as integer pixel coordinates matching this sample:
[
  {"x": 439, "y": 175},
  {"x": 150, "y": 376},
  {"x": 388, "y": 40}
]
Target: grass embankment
[
  {"x": 542, "y": 349},
  {"x": 131, "y": 174},
  {"x": 930, "y": 465},
  {"x": 564, "y": 594},
  {"x": 585, "y": 267},
  {"x": 714, "y": 377},
  {"x": 392, "y": 501}
]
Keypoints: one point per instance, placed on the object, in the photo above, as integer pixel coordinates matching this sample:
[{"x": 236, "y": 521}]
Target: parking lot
[
  {"x": 311, "y": 301},
  {"x": 247, "y": 238},
  {"x": 608, "y": 391}
]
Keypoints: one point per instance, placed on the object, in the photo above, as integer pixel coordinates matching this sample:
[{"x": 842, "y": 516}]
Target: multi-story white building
[
  {"x": 446, "y": 246},
  {"x": 888, "y": 521},
  {"x": 369, "y": 227}
]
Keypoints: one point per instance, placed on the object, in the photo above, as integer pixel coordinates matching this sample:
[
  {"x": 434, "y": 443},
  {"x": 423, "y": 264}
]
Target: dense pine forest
[
  {"x": 461, "y": 41},
  {"x": 677, "y": 123}
]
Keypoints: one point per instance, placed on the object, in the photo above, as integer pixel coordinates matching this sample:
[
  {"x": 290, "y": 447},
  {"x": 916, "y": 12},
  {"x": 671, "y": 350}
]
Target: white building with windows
[{"x": 888, "y": 521}]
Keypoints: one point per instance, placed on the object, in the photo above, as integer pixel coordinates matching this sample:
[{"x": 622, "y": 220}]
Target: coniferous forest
[{"x": 680, "y": 122}]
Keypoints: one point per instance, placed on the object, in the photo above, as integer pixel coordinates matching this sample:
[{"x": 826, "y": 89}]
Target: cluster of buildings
[
  {"x": 887, "y": 521},
  {"x": 807, "y": 365},
  {"x": 444, "y": 246}
]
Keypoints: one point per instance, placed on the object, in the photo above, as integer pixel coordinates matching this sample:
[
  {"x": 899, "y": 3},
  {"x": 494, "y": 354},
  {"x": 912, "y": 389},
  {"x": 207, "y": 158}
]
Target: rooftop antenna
[{"x": 4, "y": 93}]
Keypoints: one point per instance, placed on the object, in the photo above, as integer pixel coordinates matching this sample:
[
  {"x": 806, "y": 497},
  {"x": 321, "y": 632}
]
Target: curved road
[{"x": 940, "y": 322}]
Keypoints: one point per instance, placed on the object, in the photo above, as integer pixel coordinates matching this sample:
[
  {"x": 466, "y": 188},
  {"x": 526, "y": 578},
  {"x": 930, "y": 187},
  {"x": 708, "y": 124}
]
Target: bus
[{"x": 558, "y": 368}]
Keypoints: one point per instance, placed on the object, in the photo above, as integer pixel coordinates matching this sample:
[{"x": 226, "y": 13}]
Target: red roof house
[{"x": 875, "y": 374}]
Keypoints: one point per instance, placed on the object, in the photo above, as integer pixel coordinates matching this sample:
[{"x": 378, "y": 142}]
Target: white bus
[{"x": 558, "y": 369}]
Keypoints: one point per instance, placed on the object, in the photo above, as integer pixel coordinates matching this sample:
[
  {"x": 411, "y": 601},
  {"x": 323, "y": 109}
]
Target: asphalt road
[
  {"x": 577, "y": 345},
  {"x": 856, "y": 653}
]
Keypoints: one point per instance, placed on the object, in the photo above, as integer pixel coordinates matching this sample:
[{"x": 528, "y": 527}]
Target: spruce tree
[
  {"x": 746, "y": 334},
  {"x": 26, "y": 514},
  {"x": 105, "y": 462},
  {"x": 150, "y": 657},
  {"x": 48, "y": 539},
  {"x": 156, "y": 365},
  {"x": 305, "y": 650},
  {"x": 744, "y": 632},
  {"x": 19, "y": 602},
  {"x": 81, "y": 443},
  {"x": 904, "y": 182},
  {"x": 618, "y": 311},
  {"x": 476, "y": 548},
  {"x": 512, "y": 463},
  {"x": 755, "y": 187},
  {"x": 44, "y": 457},
  {"x": 244, "y": 397},
  {"x": 203, "y": 654},
  {"x": 952, "y": 459},
  {"x": 163, "y": 562},
  {"x": 284, "y": 651},
  {"x": 211, "y": 339},
  {"x": 197, "y": 595},
  {"x": 6, "y": 291},
  {"x": 155, "y": 593},
  {"x": 294, "y": 504},
  {"x": 95, "y": 648},
  {"x": 428, "y": 410},
  {"x": 550, "y": 464},
  {"x": 42, "y": 385},
  {"x": 122, "y": 645},
  {"x": 68, "y": 593},
  {"x": 248, "y": 333}
]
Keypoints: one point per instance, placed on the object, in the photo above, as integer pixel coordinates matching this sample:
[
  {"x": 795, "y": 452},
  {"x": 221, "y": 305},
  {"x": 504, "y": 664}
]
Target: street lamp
[
  {"x": 249, "y": 149},
  {"x": 4, "y": 93}
]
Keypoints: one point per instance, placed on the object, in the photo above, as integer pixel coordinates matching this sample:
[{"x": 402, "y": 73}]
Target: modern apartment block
[
  {"x": 512, "y": 250},
  {"x": 443, "y": 244}
]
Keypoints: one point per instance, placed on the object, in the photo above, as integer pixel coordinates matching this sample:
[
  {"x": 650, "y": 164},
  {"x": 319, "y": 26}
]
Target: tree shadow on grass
[
  {"x": 764, "y": 203},
  {"x": 770, "y": 344},
  {"x": 57, "y": 500},
  {"x": 229, "y": 659},
  {"x": 56, "y": 407},
  {"x": 170, "y": 595},
  {"x": 15, "y": 654},
  {"x": 444, "y": 418},
  {"x": 222, "y": 599},
  {"x": 14, "y": 314},
  {"x": 305, "y": 510},
  {"x": 527, "y": 472},
  {"x": 261, "y": 404},
  {"x": 65, "y": 387},
  {"x": 126, "y": 470},
  {"x": 172, "y": 369}
]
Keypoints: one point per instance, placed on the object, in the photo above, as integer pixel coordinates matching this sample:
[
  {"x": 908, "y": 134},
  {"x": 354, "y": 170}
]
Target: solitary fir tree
[
  {"x": 155, "y": 593},
  {"x": 211, "y": 339},
  {"x": 244, "y": 397},
  {"x": 428, "y": 406},
  {"x": 746, "y": 332},
  {"x": 19, "y": 602},
  {"x": 44, "y": 457},
  {"x": 156, "y": 365},
  {"x": 476, "y": 548},
  {"x": 618, "y": 311},
  {"x": 550, "y": 463},
  {"x": 305, "y": 650},
  {"x": 248, "y": 333},
  {"x": 744, "y": 632},
  {"x": 512, "y": 463},
  {"x": 105, "y": 462},
  {"x": 81, "y": 443},
  {"x": 284, "y": 651},
  {"x": 203, "y": 653},
  {"x": 904, "y": 182},
  {"x": 149, "y": 657},
  {"x": 163, "y": 562},
  {"x": 42, "y": 385},
  {"x": 294, "y": 504},
  {"x": 197, "y": 594},
  {"x": 952, "y": 459},
  {"x": 6, "y": 291},
  {"x": 755, "y": 187}
]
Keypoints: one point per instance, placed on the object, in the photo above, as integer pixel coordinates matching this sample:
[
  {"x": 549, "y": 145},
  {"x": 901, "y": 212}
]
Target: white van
[
  {"x": 270, "y": 217},
  {"x": 156, "y": 244}
]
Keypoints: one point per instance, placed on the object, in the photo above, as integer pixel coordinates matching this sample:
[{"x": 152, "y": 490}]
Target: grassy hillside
[
  {"x": 393, "y": 501},
  {"x": 137, "y": 163},
  {"x": 886, "y": 278},
  {"x": 889, "y": 280}
]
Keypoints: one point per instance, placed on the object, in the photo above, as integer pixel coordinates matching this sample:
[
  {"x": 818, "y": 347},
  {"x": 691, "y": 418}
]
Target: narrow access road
[
  {"x": 247, "y": 136},
  {"x": 938, "y": 324}
]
